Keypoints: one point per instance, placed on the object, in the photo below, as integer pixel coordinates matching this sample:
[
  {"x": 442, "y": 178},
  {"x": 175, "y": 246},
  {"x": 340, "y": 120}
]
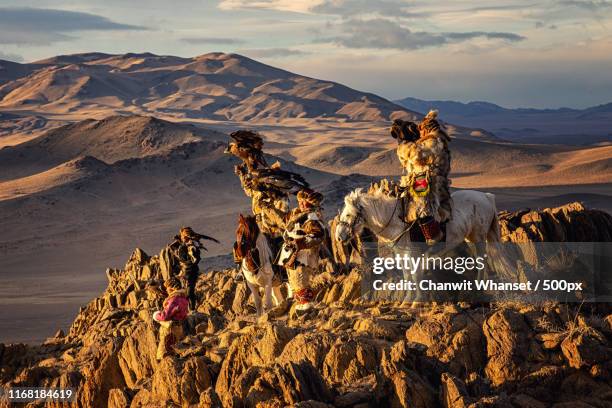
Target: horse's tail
[
  {"x": 495, "y": 247},
  {"x": 493, "y": 234}
]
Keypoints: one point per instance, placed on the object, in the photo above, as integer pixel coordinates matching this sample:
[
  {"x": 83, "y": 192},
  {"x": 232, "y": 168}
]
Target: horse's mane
[
  {"x": 355, "y": 197},
  {"x": 250, "y": 224},
  {"x": 382, "y": 188},
  {"x": 385, "y": 187}
]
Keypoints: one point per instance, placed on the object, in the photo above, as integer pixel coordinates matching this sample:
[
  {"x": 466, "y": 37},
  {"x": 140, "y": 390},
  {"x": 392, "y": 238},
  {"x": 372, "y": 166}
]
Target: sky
[{"x": 517, "y": 53}]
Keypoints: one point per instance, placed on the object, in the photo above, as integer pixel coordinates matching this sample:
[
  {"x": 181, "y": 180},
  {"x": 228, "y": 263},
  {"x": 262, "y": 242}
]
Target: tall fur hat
[{"x": 429, "y": 123}]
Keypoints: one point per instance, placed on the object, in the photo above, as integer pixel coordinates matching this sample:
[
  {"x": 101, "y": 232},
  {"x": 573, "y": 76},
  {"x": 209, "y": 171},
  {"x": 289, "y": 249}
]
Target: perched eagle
[
  {"x": 247, "y": 145},
  {"x": 405, "y": 131},
  {"x": 278, "y": 182}
]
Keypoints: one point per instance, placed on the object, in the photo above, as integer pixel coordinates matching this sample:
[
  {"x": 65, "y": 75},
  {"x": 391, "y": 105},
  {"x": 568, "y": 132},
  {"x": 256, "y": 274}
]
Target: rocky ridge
[{"x": 345, "y": 353}]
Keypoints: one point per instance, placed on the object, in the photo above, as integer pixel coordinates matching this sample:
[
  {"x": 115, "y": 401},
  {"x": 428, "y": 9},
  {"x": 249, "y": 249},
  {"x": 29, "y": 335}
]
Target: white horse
[
  {"x": 260, "y": 273},
  {"x": 474, "y": 220},
  {"x": 474, "y": 217}
]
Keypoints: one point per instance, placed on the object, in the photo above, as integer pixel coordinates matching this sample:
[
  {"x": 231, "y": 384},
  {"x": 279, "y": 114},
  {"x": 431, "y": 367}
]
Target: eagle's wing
[{"x": 277, "y": 179}]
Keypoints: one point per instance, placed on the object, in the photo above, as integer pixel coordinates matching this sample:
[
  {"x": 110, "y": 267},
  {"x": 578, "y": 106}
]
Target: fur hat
[
  {"x": 310, "y": 197},
  {"x": 172, "y": 285},
  {"x": 429, "y": 123}
]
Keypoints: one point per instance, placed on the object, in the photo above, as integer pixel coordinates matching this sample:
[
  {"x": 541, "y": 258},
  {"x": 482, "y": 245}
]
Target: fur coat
[{"x": 428, "y": 156}]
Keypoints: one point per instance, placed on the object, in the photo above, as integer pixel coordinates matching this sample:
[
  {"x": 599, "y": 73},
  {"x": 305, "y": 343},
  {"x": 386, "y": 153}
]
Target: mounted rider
[
  {"x": 305, "y": 233},
  {"x": 424, "y": 154},
  {"x": 270, "y": 206}
]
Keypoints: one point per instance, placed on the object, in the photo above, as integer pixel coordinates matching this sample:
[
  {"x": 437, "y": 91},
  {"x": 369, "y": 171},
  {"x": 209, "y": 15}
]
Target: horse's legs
[
  {"x": 268, "y": 296},
  {"x": 277, "y": 295},
  {"x": 256, "y": 297}
]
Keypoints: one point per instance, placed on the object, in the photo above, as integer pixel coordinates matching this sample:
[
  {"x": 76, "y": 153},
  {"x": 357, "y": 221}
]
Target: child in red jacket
[{"x": 176, "y": 308}]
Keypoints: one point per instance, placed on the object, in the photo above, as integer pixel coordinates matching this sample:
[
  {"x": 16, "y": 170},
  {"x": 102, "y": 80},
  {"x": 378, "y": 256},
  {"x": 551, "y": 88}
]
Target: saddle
[{"x": 423, "y": 224}]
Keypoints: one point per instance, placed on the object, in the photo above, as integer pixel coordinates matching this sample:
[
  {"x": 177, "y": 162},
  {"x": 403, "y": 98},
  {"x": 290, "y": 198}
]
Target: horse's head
[
  {"x": 351, "y": 220},
  {"x": 246, "y": 234}
]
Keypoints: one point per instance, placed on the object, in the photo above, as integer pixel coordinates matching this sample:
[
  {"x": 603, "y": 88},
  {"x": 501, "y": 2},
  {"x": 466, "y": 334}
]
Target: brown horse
[{"x": 253, "y": 253}]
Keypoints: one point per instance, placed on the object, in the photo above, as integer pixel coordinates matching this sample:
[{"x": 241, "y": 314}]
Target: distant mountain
[
  {"x": 10, "y": 70},
  {"x": 110, "y": 140},
  {"x": 214, "y": 86},
  {"x": 562, "y": 126}
]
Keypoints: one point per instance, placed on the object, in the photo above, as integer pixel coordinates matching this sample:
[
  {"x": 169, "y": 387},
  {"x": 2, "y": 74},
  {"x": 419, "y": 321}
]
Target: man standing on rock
[
  {"x": 304, "y": 235},
  {"x": 186, "y": 250},
  {"x": 423, "y": 152}
]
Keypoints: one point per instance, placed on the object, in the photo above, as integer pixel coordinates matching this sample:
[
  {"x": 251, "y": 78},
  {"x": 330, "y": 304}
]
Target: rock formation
[{"x": 344, "y": 353}]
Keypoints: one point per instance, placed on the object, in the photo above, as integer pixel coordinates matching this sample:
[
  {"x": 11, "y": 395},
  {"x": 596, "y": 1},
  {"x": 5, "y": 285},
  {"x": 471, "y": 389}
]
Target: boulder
[
  {"x": 380, "y": 328},
  {"x": 399, "y": 384},
  {"x": 452, "y": 337},
  {"x": 102, "y": 373},
  {"x": 349, "y": 360},
  {"x": 507, "y": 338},
  {"x": 118, "y": 398},
  {"x": 272, "y": 343},
  {"x": 311, "y": 347},
  {"x": 453, "y": 392},
  {"x": 585, "y": 347},
  {"x": 180, "y": 381},
  {"x": 137, "y": 355}
]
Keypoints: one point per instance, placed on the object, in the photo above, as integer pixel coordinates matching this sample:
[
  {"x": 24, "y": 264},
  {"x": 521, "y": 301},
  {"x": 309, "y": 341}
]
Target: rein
[{"x": 395, "y": 240}]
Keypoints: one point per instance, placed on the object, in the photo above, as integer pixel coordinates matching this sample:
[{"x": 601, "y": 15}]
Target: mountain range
[
  {"x": 101, "y": 152},
  {"x": 215, "y": 86},
  {"x": 559, "y": 126}
]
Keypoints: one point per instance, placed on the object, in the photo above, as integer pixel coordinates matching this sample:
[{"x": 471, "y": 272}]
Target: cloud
[
  {"x": 491, "y": 35},
  {"x": 272, "y": 52},
  {"x": 592, "y": 5},
  {"x": 389, "y": 8},
  {"x": 297, "y": 6},
  {"x": 45, "y": 26},
  {"x": 213, "y": 40},
  {"x": 382, "y": 33},
  {"x": 11, "y": 57}
]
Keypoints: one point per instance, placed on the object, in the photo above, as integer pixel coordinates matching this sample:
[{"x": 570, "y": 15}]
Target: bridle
[{"x": 351, "y": 224}]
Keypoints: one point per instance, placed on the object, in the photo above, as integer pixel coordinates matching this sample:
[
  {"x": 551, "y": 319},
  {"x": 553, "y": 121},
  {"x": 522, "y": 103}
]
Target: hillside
[
  {"x": 346, "y": 352},
  {"x": 548, "y": 126},
  {"x": 87, "y": 189},
  {"x": 214, "y": 86},
  {"x": 90, "y": 188},
  {"x": 82, "y": 176},
  {"x": 112, "y": 139}
]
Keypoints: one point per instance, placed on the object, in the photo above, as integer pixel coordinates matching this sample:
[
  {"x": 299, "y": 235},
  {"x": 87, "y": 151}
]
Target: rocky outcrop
[
  {"x": 346, "y": 352},
  {"x": 568, "y": 223}
]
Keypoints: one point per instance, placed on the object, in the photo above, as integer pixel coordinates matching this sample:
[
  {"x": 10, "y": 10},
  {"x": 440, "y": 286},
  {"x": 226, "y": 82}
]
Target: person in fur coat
[{"x": 424, "y": 154}]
